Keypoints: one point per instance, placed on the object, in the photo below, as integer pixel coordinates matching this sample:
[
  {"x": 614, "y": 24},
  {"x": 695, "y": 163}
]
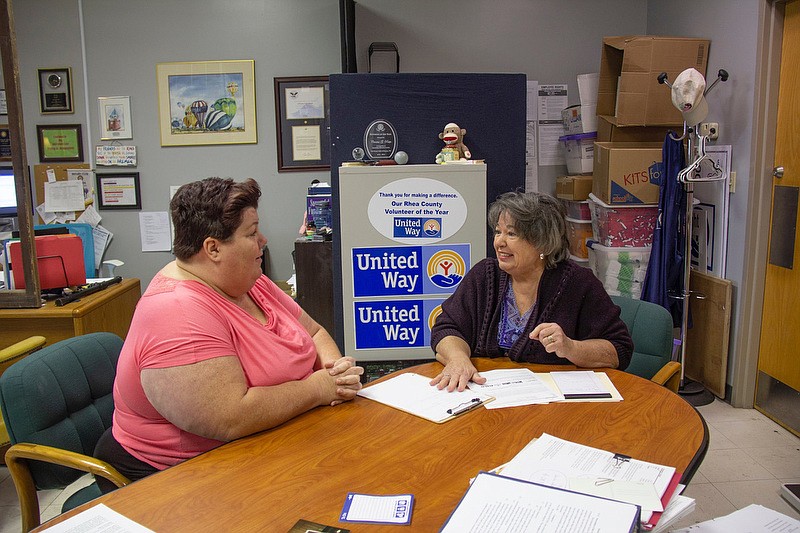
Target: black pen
[{"x": 466, "y": 406}]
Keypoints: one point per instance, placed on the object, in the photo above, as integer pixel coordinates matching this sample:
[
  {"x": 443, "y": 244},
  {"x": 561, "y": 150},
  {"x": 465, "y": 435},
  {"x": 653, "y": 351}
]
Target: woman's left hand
[{"x": 552, "y": 338}]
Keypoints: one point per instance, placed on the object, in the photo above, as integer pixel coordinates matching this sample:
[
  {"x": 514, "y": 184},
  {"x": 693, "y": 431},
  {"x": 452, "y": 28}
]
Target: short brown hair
[
  {"x": 539, "y": 218},
  {"x": 211, "y": 207}
]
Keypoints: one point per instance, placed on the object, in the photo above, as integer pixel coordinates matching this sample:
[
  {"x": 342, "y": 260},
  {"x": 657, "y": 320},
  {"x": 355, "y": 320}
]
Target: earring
[{"x": 541, "y": 256}]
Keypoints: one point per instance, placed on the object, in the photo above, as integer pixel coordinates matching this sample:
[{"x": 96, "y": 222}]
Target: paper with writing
[{"x": 515, "y": 386}]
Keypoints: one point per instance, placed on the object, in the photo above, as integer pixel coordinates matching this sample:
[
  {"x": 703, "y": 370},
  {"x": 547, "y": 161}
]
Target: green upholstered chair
[
  {"x": 650, "y": 326},
  {"x": 56, "y": 404}
]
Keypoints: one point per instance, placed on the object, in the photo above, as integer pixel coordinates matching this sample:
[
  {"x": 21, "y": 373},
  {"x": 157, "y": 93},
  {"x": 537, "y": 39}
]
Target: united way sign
[
  {"x": 382, "y": 324},
  {"x": 408, "y": 270}
]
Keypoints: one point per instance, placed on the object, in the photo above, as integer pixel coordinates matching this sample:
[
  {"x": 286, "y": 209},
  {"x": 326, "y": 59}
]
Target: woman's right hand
[{"x": 457, "y": 373}]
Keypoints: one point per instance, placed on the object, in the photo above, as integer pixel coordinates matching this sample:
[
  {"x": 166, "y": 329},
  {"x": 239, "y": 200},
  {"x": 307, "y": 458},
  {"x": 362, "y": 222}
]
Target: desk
[
  {"x": 304, "y": 468},
  {"x": 108, "y": 310}
]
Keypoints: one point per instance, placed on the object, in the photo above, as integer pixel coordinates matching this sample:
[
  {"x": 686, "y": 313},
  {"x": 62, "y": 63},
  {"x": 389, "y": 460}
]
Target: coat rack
[{"x": 696, "y": 149}]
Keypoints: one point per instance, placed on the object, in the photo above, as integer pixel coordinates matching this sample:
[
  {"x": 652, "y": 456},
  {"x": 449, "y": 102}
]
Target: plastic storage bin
[
  {"x": 621, "y": 270},
  {"x": 622, "y": 225},
  {"x": 579, "y": 151},
  {"x": 578, "y": 232},
  {"x": 578, "y": 210}
]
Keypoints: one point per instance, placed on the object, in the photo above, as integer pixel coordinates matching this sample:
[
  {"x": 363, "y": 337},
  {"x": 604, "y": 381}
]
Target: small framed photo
[
  {"x": 302, "y": 114},
  {"x": 60, "y": 142},
  {"x": 5, "y": 143},
  {"x": 55, "y": 90},
  {"x": 119, "y": 190},
  {"x": 115, "y": 117}
]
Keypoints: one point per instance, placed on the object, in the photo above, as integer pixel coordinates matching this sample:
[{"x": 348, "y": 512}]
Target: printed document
[
  {"x": 515, "y": 386},
  {"x": 496, "y": 504},
  {"x": 99, "y": 519}
]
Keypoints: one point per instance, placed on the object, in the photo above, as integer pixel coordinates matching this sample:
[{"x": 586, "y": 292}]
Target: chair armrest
[
  {"x": 10, "y": 355},
  {"x": 669, "y": 376},
  {"x": 17, "y": 459}
]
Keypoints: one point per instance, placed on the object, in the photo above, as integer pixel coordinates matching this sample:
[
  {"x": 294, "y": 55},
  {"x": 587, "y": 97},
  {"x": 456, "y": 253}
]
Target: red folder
[{"x": 59, "y": 258}]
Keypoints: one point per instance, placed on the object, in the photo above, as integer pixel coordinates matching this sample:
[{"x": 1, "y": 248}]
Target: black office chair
[{"x": 56, "y": 403}]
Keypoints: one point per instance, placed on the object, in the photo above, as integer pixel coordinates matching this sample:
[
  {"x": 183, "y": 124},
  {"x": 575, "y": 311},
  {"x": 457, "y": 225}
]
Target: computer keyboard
[{"x": 376, "y": 369}]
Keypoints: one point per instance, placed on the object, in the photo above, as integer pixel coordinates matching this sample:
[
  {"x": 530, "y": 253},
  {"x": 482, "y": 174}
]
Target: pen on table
[{"x": 466, "y": 406}]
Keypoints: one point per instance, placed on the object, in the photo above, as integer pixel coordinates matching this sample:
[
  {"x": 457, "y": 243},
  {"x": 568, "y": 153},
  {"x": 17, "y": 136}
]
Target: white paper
[
  {"x": 641, "y": 494},
  {"x": 47, "y": 218},
  {"x": 495, "y": 504},
  {"x": 750, "y": 519},
  {"x": 531, "y": 144},
  {"x": 99, "y": 519},
  {"x": 414, "y": 394},
  {"x": 101, "y": 237},
  {"x": 678, "y": 507},
  {"x": 552, "y": 100},
  {"x": 578, "y": 382},
  {"x": 552, "y": 461},
  {"x": 64, "y": 195},
  {"x": 154, "y": 229},
  {"x": 515, "y": 386},
  {"x": 90, "y": 216}
]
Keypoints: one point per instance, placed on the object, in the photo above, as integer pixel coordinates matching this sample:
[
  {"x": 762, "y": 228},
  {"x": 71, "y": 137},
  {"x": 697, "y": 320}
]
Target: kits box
[
  {"x": 574, "y": 187},
  {"x": 608, "y": 132},
  {"x": 629, "y": 92},
  {"x": 627, "y": 173}
]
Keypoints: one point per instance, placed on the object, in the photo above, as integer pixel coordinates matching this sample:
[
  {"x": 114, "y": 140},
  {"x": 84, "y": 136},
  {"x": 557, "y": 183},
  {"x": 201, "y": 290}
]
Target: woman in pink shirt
[{"x": 216, "y": 350}]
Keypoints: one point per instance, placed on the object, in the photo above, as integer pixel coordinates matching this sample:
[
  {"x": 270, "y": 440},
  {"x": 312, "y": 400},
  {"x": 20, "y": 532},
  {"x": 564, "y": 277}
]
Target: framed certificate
[
  {"x": 55, "y": 90},
  {"x": 302, "y": 115},
  {"x": 119, "y": 190},
  {"x": 60, "y": 142}
]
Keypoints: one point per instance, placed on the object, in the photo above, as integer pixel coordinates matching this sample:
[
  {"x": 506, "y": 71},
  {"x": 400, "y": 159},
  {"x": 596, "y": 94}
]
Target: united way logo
[
  {"x": 432, "y": 227},
  {"x": 434, "y": 314},
  {"x": 446, "y": 269}
]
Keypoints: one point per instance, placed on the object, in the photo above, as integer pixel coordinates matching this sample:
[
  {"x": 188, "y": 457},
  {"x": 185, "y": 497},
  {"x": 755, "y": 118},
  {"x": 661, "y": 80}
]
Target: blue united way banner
[
  {"x": 409, "y": 270},
  {"x": 395, "y": 323}
]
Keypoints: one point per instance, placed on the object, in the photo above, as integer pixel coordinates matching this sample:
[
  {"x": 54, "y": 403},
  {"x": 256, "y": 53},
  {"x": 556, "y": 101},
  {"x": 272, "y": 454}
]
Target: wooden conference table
[{"x": 305, "y": 468}]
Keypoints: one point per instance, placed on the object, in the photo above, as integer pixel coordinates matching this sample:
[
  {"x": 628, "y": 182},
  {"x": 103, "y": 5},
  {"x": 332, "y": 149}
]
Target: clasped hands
[{"x": 342, "y": 378}]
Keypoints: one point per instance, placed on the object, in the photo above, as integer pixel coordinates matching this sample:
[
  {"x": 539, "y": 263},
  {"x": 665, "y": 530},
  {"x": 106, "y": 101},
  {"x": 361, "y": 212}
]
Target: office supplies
[
  {"x": 89, "y": 289},
  {"x": 581, "y": 384},
  {"x": 754, "y": 517},
  {"x": 499, "y": 503},
  {"x": 307, "y": 526},
  {"x": 377, "y": 509},
  {"x": 60, "y": 260},
  {"x": 553, "y": 461},
  {"x": 414, "y": 394},
  {"x": 98, "y": 519},
  {"x": 512, "y": 387}
]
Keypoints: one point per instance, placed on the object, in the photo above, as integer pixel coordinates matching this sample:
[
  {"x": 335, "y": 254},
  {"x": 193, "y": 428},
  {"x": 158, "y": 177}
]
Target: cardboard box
[
  {"x": 573, "y": 187},
  {"x": 608, "y": 132},
  {"x": 627, "y": 173},
  {"x": 629, "y": 93},
  {"x": 579, "y": 152}
]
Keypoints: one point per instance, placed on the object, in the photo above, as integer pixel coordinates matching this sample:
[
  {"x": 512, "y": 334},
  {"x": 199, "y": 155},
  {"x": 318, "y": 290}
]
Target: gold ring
[{"x": 549, "y": 339}]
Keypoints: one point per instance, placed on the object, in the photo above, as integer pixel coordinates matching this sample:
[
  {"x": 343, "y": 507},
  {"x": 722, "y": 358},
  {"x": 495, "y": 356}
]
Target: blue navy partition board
[{"x": 491, "y": 107}]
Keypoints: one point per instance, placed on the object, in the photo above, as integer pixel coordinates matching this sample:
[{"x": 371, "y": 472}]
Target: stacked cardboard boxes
[{"x": 635, "y": 112}]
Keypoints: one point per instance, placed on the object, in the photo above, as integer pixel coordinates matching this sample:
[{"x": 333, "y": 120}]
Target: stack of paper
[
  {"x": 563, "y": 464},
  {"x": 520, "y": 386}
]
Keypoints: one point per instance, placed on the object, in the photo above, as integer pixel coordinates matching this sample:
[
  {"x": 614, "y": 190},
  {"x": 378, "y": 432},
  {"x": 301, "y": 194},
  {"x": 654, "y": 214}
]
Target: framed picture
[
  {"x": 60, "y": 142},
  {"x": 119, "y": 190},
  {"x": 115, "y": 117},
  {"x": 5, "y": 143},
  {"x": 207, "y": 102},
  {"x": 55, "y": 90},
  {"x": 302, "y": 116}
]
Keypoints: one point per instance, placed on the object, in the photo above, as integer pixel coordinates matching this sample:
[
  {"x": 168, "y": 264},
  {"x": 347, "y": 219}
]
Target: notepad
[
  {"x": 414, "y": 394},
  {"x": 377, "y": 509}
]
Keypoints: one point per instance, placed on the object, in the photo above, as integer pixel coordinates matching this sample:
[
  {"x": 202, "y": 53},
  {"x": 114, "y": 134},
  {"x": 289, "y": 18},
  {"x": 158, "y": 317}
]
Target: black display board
[{"x": 491, "y": 107}]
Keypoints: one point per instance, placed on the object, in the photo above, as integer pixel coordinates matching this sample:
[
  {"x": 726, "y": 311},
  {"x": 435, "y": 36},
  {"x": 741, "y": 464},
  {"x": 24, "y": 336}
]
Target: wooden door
[{"x": 778, "y": 383}]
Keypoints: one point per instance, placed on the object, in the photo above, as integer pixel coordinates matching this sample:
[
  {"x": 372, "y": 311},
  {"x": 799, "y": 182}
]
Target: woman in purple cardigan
[{"x": 532, "y": 304}]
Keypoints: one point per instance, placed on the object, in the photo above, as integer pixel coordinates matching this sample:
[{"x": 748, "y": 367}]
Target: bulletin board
[{"x": 40, "y": 178}]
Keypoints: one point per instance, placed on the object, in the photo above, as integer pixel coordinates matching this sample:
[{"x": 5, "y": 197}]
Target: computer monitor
[{"x": 8, "y": 193}]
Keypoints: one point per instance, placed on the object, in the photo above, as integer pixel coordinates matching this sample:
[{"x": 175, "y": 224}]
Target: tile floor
[{"x": 749, "y": 457}]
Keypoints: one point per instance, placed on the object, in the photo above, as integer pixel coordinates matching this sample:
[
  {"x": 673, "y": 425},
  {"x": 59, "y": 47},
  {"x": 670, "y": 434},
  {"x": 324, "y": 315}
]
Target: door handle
[{"x": 777, "y": 172}]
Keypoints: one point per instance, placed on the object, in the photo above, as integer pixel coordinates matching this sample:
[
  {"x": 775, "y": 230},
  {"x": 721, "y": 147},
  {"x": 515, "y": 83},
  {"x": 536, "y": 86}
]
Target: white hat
[{"x": 687, "y": 96}]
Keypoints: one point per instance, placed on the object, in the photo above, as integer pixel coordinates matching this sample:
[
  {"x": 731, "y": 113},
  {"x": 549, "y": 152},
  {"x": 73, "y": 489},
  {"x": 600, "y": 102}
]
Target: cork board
[
  {"x": 707, "y": 340},
  {"x": 40, "y": 178}
]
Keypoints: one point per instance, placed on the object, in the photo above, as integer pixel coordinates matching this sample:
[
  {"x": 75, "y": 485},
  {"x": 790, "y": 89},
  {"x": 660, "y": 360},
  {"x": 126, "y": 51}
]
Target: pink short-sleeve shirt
[{"x": 183, "y": 322}]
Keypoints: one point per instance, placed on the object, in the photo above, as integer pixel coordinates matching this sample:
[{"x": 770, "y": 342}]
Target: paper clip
[
  {"x": 464, "y": 407},
  {"x": 619, "y": 459},
  {"x": 602, "y": 481}
]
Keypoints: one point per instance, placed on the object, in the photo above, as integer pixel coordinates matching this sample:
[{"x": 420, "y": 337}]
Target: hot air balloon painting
[{"x": 207, "y": 102}]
